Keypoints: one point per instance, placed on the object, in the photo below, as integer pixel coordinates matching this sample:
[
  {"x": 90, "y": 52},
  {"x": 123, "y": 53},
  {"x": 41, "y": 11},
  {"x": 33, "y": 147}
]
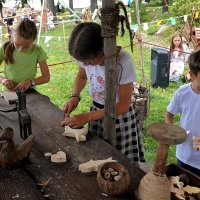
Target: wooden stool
[
  {"x": 165, "y": 134},
  {"x": 155, "y": 185}
]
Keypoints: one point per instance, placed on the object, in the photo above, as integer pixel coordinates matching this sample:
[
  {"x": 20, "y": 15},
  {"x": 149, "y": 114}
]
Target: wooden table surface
[{"x": 65, "y": 181}]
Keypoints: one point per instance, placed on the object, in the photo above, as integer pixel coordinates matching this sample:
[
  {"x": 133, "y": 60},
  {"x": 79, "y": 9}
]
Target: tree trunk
[
  {"x": 71, "y": 5},
  {"x": 24, "y": 2},
  {"x": 1, "y": 10},
  {"x": 51, "y": 6},
  {"x": 94, "y": 5},
  {"x": 165, "y": 7}
]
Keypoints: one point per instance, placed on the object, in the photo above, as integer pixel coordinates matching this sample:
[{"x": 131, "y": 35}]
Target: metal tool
[{"x": 24, "y": 117}]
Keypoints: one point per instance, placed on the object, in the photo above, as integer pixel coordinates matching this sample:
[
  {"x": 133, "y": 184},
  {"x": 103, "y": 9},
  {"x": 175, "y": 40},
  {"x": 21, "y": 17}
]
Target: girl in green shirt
[{"x": 21, "y": 56}]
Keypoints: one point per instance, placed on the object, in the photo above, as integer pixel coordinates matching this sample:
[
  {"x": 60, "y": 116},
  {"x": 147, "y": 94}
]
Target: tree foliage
[{"x": 183, "y": 7}]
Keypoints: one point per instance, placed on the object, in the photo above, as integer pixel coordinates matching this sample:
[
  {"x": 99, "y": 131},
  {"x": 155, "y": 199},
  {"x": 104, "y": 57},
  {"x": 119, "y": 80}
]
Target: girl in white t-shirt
[
  {"x": 179, "y": 54},
  {"x": 186, "y": 102},
  {"x": 86, "y": 46}
]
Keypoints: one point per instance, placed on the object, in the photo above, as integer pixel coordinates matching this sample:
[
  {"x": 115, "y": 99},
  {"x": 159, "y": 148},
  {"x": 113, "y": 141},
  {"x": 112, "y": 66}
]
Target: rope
[
  {"x": 110, "y": 19},
  {"x": 153, "y": 187},
  {"x": 164, "y": 47},
  {"x": 69, "y": 61}
]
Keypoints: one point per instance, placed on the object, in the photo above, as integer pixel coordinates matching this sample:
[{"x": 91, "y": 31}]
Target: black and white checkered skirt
[{"x": 128, "y": 138}]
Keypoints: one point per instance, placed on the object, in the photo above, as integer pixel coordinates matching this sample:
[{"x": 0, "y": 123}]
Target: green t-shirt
[{"x": 25, "y": 64}]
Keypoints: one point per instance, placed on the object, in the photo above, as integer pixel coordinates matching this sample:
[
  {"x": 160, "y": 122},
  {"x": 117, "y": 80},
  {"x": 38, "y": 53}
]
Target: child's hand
[
  {"x": 70, "y": 105},
  {"x": 7, "y": 83},
  {"x": 24, "y": 85},
  {"x": 76, "y": 121}
]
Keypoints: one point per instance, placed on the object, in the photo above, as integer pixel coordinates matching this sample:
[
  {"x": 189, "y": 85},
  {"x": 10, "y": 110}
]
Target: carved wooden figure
[{"x": 11, "y": 155}]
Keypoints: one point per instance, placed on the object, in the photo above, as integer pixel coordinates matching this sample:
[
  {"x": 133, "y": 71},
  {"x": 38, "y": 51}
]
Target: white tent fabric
[{"x": 76, "y": 3}]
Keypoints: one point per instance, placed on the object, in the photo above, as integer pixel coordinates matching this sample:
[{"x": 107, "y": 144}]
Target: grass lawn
[{"x": 62, "y": 77}]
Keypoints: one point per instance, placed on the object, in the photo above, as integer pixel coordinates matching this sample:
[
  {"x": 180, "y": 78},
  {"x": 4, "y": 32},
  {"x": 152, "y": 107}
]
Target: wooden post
[
  {"x": 44, "y": 16},
  {"x": 43, "y": 20},
  {"x": 110, "y": 82},
  {"x": 140, "y": 42}
]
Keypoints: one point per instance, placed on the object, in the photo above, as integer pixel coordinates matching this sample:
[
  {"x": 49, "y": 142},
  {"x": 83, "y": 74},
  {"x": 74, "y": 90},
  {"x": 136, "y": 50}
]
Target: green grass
[{"x": 62, "y": 77}]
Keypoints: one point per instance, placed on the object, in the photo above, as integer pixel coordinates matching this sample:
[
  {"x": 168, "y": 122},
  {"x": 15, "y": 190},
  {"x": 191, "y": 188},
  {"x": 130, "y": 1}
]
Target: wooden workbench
[{"x": 66, "y": 182}]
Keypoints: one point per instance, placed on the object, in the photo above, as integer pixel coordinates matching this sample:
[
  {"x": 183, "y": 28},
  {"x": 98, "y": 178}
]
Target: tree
[
  {"x": 165, "y": 7},
  {"x": 20, "y": 2},
  {"x": 71, "y": 5},
  {"x": 1, "y": 7},
  {"x": 51, "y": 6},
  {"x": 94, "y": 5}
]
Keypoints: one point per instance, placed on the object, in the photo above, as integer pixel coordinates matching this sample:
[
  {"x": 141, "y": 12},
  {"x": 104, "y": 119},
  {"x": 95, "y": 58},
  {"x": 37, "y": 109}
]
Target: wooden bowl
[{"x": 112, "y": 187}]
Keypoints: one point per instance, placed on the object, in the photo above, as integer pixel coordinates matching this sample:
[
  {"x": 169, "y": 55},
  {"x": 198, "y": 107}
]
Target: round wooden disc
[{"x": 167, "y": 133}]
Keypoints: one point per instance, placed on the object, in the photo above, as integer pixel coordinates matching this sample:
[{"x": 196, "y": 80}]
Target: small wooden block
[
  {"x": 167, "y": 133},
  {"x": 47, "y": 155},
  {"x": 9, "y": 96},
  {"x": 59, "y": 157},
  {"x": 93, "y": 165}
]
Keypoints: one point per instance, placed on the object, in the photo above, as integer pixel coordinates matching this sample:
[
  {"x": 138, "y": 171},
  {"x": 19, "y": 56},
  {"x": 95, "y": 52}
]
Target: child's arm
[
  {"x": 45, "y": 74},
  {"x": 79, "y": 84},
  {"x": 169, "y": 118},
  {"x": 125, "y": 94}
]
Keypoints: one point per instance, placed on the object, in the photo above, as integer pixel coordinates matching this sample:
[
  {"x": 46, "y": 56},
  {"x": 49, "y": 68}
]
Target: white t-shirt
[
  {"x": 96, "y": 76},
  {"x": 183, "y": 57},
  {"x": 186, "y": 102}
]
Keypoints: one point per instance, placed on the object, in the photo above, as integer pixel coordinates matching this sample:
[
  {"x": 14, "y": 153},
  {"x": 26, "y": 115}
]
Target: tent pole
[{"x": 140, "y": 42}]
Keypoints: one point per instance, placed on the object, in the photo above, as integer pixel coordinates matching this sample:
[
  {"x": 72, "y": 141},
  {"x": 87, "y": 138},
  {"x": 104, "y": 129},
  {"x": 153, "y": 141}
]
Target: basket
[
  {"x": 140, "y": 100},
  {"x": 117, "y": 187}
]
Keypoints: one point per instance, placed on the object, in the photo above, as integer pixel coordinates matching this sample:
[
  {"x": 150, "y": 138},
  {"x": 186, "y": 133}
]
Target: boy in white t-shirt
[
  {"x": 186, "y": 102},
  {"x": 86, "y": 46}
]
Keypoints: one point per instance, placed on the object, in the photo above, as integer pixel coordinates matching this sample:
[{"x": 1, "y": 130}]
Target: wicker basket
[{"x": 140, "y": 99}]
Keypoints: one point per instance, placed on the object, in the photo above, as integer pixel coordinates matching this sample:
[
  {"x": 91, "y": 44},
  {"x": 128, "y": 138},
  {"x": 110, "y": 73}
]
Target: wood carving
[
  {"x": 181, "y": 192},
  {"x": 79, "y": 134},
  {"x": 11, "y": 156},
  {"x": 93, "y": 165},
  {"x": 59, "y": 157},
  {"x": 175, "y": 181}
]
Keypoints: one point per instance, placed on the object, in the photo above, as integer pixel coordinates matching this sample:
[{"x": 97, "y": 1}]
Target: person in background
[
  {"x": 21, "y": 56},
  {"x": 25, "y": 12},
  {"x": 86, "y": 46},
  {"x": 50, "y": 19},
  {"x": 179, "y": 54},
  {"x": 186, "y": 102},
  {"x": 9, "y": 21},
  {"x": 59, "y": 7}
]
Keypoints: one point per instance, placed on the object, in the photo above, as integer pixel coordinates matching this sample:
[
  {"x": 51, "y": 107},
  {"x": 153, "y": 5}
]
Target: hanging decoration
[
  {"x": 159, "y": 22},
  {"x": 185, "y": 18},
  {"x": 145, "y": 26},
  {"x": 173, "y": 20},
  {"x": 196, "y": 15},
  {"x": 134, "y": 27}
]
